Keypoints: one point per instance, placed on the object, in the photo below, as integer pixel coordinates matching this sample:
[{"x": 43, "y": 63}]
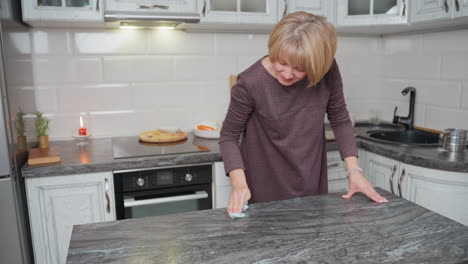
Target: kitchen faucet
[{"x": 408, "y": 121}]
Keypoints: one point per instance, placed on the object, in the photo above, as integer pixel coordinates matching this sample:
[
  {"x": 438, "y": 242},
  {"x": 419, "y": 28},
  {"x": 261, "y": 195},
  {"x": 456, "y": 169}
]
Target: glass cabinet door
[
  {"x": 371, "y": 12},
  {"x": 372, "y": 7},
  {"x": 240, "y": 11},
  {"x": 64, "y": 3}
]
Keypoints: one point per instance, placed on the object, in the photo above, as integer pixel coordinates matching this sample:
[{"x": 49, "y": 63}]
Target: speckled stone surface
[
  {"x": 318, "y": 229},
  {"x": 97, "y": 156}
]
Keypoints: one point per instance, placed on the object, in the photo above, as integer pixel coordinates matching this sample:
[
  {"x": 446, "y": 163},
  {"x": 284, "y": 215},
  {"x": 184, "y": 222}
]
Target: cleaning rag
[{"x": 240, "y": 215}]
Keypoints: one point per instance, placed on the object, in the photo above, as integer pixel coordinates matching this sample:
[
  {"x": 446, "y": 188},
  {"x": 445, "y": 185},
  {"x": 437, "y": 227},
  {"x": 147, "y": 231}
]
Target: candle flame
[{"x": 81, "y": 122}]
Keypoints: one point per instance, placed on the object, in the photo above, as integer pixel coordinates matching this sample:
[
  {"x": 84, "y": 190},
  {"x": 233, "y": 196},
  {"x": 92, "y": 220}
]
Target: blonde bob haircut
[{"x": 305, "y": 41}]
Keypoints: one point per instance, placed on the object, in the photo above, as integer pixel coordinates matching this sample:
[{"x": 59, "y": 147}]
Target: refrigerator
[{"x": 15, "y": 240}]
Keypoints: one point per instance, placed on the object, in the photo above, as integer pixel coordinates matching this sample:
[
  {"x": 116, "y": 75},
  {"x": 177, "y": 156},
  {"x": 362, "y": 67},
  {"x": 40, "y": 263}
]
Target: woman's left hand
[{"x": 357, "y": 183}]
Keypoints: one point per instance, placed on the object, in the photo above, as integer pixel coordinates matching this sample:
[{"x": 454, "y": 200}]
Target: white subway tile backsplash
[
  {"x": 241, "y": 44},
  {"x": 46, "y": 99},
  {"x": 17, "y": 43},
  {"x": 180, "y": 43},
  {"x": 411, "y": 67},
  {"x": 136, "y": 80},
  {"x": 448, "y": 42},
  {"x": 62, "y": 69},
  {"x": 19, "y": 71},
  {"x": 138, "y": 69},
  {"x": 53, "y": 42},
  {"x": 454, "y": 67},
  {"x": 155, "y": 96},
  {"x": 359, "y": 46},
  {"x": 113, "y": 123},
  {"x": 442, "y": 118},
  {"x": 399, "y": 45},
  {"x": 437, "y": 93},
  {"x": 204, "y": 68},
  {"x": 110, "y": 42},
  {"x": 80, "y": 98},
  {"x": 464, "y": 97}
]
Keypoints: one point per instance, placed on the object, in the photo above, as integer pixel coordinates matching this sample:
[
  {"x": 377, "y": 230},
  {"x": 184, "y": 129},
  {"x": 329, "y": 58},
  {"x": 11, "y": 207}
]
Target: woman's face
[{"x": 287, "y": 74}]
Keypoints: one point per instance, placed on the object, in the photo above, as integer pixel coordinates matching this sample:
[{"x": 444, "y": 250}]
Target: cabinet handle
[
  {"x": 391, "y": 179},
  {"x": 457, "y": 5},
  {"x": 285, "y": 7},
  {"x": 333, "y": 165},
  {"x": 446, "y": 7},
  {"x": 400, "y": 182},
  {"x": 106, "y": 184},
  {"x": 152, "y": 6},
  {"x": 204, "y": 9},
  {"x": 403, "y": 10}
]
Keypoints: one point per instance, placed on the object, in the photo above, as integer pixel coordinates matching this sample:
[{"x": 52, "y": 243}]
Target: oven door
[{"x": 166, "y": 201}]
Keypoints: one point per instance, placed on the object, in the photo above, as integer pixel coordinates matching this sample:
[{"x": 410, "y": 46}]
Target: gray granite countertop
[
  {"x": 316, "y": 229},
  {"x": 97, "y": 156}
]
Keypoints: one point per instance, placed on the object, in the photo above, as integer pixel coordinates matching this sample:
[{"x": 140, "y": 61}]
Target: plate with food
[
  {"x": 162, "y": 136},
  {"x": 207, "y": 129}
]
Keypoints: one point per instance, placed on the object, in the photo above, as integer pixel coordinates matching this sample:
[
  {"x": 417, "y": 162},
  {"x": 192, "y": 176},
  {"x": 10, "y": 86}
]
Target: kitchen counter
[
  {"x": 97, "y": 156},
  {"x": 316, "y": 229}
]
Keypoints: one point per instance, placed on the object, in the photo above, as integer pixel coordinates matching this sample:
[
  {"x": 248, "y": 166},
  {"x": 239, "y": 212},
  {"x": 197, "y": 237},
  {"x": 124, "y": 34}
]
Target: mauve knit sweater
[{"x": 283, "y": 146}]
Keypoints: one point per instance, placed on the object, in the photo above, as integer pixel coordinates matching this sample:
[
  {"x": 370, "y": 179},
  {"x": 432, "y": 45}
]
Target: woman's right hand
[{"x": 240, "y": 192}]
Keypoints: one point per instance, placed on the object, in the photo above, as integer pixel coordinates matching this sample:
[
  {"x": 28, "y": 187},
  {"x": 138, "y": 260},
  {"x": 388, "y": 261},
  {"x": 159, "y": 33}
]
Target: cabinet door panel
[
  {"x": 443, "y": 192},
  {"x": 318, "y": 7},
  {"x": 371, "y": 12},
  {"x": 62, "y": 10},
  {"x": 428, "y": 10},
  {"x": 382, "y": 171},
  {"x": 222, "y": 195},
  {"x": 239, "y": 11},
  {"x": 57, "y": 203},
  {"x": 157, "y": 6}
]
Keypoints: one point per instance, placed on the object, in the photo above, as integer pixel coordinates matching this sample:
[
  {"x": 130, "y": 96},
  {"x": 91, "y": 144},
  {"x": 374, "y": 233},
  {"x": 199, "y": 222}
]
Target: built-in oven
[{"x": 162, "y": 190}]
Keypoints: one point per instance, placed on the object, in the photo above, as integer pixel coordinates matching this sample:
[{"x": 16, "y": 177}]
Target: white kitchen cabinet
[
  {"x": 157, "y": 6},
  {"x": 238, "y": 11},
  {"x": 57, "y": 203},
  {"x": 325, "y": 8},
  {"x": 430, "y": 10},
  {"x": 443, "y": 192},
  {"x": 337, "y": 179},
  {"x": 381, "y": 171},
  {"x": 62, "y": 10},
  {"x": 371, "y": 12},
  {"x": 461, "y": 8},
  {"x": 221, "y": 186}
]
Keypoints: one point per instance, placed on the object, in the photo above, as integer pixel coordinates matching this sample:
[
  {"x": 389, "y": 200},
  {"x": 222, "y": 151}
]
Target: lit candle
[{"x": 82, "y": 130}]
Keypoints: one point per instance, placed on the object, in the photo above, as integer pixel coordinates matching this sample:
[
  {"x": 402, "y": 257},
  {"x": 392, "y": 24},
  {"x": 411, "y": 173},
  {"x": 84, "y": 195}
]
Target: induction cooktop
[{"x": 131, "y": 147}]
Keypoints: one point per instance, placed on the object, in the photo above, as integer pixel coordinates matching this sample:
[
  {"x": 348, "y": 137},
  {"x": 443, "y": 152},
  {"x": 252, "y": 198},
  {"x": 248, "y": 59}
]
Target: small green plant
[
  {"x": 20, "y": 124},
  {"x": 42, "y": 124}
]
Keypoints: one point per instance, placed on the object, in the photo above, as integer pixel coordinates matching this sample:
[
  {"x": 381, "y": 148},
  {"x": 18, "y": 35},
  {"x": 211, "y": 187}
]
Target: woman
[{"x": 278, "y": 105}]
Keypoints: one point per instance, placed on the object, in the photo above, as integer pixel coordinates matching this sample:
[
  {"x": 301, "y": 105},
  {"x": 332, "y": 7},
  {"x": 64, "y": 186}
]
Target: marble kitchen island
[{"x": 319, "y": 229}]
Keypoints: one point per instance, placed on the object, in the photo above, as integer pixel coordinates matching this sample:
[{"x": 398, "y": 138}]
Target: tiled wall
[{"x": 130, "y": 81}]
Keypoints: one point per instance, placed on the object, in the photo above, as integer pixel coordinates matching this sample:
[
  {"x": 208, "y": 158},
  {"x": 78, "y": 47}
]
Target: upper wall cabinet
[
  {"x": 159, "y": 6},
  {"x": 371, "y": 12},
  {"x": 239, "y": 11},
  {"x": 430, "y": 10},
  {"x": 324, "y": 8},
  {"x": 62, "y": 10}
]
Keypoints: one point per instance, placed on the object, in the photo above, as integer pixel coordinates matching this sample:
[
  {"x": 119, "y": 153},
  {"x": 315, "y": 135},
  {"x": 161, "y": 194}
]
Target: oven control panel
[{"x": 162, "y": 178}]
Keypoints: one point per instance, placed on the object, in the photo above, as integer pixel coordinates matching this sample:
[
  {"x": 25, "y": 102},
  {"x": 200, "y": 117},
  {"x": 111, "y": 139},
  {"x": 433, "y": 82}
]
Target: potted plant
[
  {"x": 20, "y": 131},
  {"x": 42, "y": 124}
]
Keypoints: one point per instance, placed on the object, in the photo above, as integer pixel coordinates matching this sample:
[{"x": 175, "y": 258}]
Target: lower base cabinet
[
  {"x": 57, "y": 203},
  {"x": 337, "y": 179},
  {"x": 443, "y": 192}
]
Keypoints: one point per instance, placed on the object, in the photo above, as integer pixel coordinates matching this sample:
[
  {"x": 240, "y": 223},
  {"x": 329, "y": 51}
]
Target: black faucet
[{"x": 408, "y": 121}]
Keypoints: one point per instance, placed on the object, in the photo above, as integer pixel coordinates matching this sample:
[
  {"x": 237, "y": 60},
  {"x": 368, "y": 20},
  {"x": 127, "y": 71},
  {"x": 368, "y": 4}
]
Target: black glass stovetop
[{"x": 131, "y": 147}]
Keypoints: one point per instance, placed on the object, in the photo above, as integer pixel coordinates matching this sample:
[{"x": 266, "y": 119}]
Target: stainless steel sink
[{"x": 406, "y": 137}]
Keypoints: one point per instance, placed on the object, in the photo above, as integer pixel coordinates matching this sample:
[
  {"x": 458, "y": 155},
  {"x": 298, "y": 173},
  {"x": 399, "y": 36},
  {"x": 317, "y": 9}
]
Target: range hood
[{"x": 150, "y": 19}]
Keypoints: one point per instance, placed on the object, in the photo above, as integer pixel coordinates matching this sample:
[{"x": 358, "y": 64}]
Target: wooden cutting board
[{"x": 44, "y": 156}]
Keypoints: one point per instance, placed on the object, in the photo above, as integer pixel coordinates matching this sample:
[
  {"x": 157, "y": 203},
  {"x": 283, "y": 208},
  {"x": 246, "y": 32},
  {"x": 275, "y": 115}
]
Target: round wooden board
[{"x": 156, "y": 136}]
